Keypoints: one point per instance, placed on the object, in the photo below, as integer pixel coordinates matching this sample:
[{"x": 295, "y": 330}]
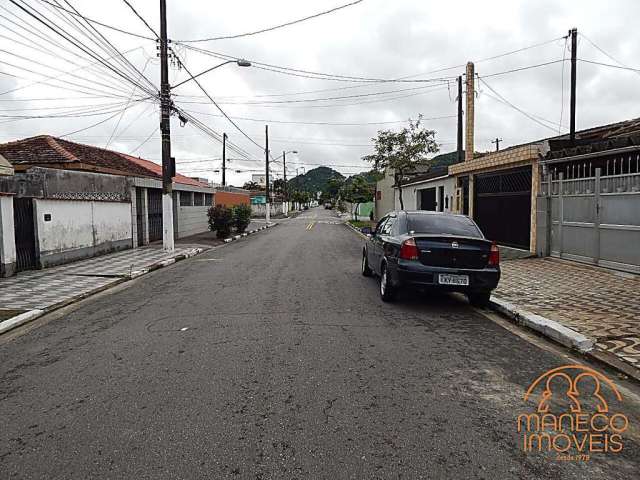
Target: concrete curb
[
  {"x": 356, "y": 230},
  {"x": 549, "y": 328},
  {"x": 250, "y": 232},
  {"x": 26, "y": 317},
  {"x": 21, "y": 319},
  {"x": 563, "y": 335}
]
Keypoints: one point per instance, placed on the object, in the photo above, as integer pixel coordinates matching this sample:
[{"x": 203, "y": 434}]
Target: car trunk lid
[{"x": 453, "y": 251}]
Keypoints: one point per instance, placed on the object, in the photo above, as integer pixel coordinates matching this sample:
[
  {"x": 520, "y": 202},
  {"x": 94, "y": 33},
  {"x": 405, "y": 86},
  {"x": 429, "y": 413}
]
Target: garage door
[{"x": 502, "y": 206}]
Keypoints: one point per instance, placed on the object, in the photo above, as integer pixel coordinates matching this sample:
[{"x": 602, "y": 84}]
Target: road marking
[{"x": 310, "y": 226}]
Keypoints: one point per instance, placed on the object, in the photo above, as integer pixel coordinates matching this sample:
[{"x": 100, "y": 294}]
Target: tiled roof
[{"x": 45, "y": 150}]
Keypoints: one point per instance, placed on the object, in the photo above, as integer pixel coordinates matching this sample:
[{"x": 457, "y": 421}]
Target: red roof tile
[{"x": 45, "y": 150}]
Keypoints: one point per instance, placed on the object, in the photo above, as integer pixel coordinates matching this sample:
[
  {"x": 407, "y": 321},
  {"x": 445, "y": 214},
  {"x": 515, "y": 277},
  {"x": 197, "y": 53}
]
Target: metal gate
[
  {"x": 140, "y": 223},
  {"x": 154, "y": 210},
  {"x": 591, "y": 214},
  {"x": 24, "y": 233},
  {"x": 502, "y": 206}
]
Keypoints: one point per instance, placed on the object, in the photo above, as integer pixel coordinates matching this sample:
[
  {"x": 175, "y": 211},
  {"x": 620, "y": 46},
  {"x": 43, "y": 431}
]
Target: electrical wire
[
  {"x": 99, "y": 23},
  {"x": 145, "y": 140},
  {"x": 141, "y": 18},
  {"x": 507, "y": 102},
  {"x": 270, "y": 29}
]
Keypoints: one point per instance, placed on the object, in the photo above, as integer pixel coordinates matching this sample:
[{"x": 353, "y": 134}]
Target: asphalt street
[{"x": 272, "y": 357}]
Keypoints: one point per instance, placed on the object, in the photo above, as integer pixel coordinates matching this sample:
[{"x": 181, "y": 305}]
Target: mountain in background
[{"x": 314, "y": 180}]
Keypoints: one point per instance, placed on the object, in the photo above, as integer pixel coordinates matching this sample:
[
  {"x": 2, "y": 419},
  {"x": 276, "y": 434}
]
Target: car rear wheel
[
  {"x": 387, "y": 292},
  {"x": 479, "y": 299},
  {"x": 366, "y": 271}
]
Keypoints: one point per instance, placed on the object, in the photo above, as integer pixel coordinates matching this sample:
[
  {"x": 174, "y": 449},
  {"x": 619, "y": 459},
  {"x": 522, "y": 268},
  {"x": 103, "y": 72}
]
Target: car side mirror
[{"x": 366, "y": 230}]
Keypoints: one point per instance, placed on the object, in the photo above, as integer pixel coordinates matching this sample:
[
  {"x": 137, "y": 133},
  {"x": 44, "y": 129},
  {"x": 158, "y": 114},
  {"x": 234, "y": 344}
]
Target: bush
[
  {"x": 241, "y": 217},
  {"x": 220, "y": 220}
]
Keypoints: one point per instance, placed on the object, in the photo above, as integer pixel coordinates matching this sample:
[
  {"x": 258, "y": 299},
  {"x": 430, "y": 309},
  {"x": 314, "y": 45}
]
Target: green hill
[{"x": 314, "y": 180}]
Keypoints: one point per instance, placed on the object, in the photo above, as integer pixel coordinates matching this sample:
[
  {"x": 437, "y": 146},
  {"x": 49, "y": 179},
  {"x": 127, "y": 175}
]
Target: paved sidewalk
[
  {"x": 601, "y": 304},
  {"x": 52, "y": 287}
]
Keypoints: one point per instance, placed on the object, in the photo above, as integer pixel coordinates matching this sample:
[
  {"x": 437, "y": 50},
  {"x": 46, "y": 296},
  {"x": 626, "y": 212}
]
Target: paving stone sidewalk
[
  {"x": 599, "y": 303},
  {"x": 56, "y": 286}
]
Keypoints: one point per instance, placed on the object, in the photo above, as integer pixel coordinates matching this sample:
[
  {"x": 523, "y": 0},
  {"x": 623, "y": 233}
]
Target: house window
[
  {"x": 198, "y": 199},
  {"x": 186, "y": 199},
  {"x": 208, "y": 199}
]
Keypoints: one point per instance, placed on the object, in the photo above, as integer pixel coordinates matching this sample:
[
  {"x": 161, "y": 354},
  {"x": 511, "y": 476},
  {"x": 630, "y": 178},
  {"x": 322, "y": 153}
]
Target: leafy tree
[
  {"x": 403, "y": 151},
  {"x": 333, "y": 187},
  {"x": 251, "y": 186},
  {"x": 357, "y": 191},
  {"x": 241, "y": 217},
  {"x": 220, "y": 220},
  {"x": 278, "y": 186}
]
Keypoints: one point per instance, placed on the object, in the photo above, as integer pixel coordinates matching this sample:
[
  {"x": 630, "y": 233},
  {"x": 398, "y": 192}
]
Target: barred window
[
  {"x": 186, "y": 199},
  {"x": 198, "y": 199}
]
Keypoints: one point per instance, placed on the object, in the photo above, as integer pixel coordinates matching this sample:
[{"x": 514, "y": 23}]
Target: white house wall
[
  {"x": 411, "y": 195},
  {"x": 192, "y": 220},
  {"x": 80, "y": 229}
]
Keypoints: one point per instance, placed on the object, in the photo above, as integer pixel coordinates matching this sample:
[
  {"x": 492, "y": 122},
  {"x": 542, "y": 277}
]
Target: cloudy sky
[{"x": 50, "y": 86}]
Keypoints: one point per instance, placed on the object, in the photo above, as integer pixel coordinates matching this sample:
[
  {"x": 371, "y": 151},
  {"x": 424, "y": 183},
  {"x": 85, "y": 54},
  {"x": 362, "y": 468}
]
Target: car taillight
[
  {"x": 494, "y": 255},
  {"x": 409, "y": 250}
]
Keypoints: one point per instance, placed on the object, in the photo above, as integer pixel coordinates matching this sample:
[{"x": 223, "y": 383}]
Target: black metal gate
[
  {"x": 140, "y": 215},
  {"x": 154, "y": 210},
  {"x": 502, "y": 206},
  {"x": 24, "y": 233}
]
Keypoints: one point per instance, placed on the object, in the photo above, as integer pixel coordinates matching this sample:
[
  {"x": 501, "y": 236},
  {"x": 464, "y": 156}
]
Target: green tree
[
  {"x": 220, "y": 220},
  {"x": 278, "y": 186},
  {"x": 241, "y": 217},
  {"x": 357, "y": 191},
  {"x": 403, "y": 151},
  {"x": 333, "y": 187},
  {"x": 251, "y": 186}
]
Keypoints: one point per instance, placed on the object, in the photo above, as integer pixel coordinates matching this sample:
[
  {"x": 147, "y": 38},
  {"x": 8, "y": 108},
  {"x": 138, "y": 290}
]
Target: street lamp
[{"x": 241, "y": 62}]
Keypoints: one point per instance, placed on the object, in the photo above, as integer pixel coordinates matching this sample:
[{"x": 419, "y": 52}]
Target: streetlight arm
[{"x": 240, "y": 63}]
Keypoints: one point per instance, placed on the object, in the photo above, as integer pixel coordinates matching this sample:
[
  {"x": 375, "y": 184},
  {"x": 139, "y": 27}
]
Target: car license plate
[{"x": 448, "y": 279}]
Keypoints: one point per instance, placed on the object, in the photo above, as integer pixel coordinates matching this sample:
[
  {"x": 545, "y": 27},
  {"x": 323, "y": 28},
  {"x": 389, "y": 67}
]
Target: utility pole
[
  {"x": 285, "y": 200},
  {"x": 165, "y": 129},
  {"x": 224, "y": 159},
  {"x": 460, "y": 146},
  {"x": 497, "y": 142},
  {"x": 574, "y": 60},
  {"x": 469, "y": 112},
  {"x": 266, "y": 158}
]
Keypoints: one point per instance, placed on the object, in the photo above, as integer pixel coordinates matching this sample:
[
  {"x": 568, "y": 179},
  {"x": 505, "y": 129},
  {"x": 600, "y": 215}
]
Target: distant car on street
[
  {"x": 417, "y": 250},
  {"x": 328, "y": 206}
]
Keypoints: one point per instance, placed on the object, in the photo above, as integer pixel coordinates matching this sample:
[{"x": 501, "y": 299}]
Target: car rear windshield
[{"x": 442, "y": 224}]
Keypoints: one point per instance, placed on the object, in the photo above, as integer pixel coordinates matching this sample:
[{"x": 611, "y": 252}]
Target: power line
[
  {"x": 145, "y": 140},
  {"x": 593, "y": 62},
  {"x": 507, "y": 102},
  {"x": 269, "y": 29},
  {"x": 93, "y": 125},
  {"x": 99, "y": 23},
  {"x": 78, "y": 45},
  {"x": 141, "y": 18}
]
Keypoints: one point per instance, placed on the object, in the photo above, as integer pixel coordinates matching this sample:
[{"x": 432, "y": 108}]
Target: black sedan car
[{"x": 414, "y": 250}]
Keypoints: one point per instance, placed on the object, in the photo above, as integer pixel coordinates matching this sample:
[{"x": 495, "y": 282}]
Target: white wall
[
  {"x": 7, "y": 235},
  {"x": 192, "y": 220},
  {"x": 411, "y": 194},
  {"x": 78, "y": 224}
]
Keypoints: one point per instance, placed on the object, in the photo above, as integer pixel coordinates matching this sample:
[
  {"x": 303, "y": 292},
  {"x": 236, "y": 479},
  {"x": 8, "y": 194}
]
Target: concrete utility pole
[
  {"x": 224, "y": 159},
  {"x": 470, "y": 111},
  {"x": 165, "y": 130},
  {"x": 497, "y": 142},
  {"x": 285, "y": 200},
  {"x": 460, "y": 146},
  {"x": 266, "y": 159},
  {"x": 574, "y": 60}
]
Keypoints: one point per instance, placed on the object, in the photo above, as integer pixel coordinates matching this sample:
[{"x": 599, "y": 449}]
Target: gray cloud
[{"x": 374, "y": 39}]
